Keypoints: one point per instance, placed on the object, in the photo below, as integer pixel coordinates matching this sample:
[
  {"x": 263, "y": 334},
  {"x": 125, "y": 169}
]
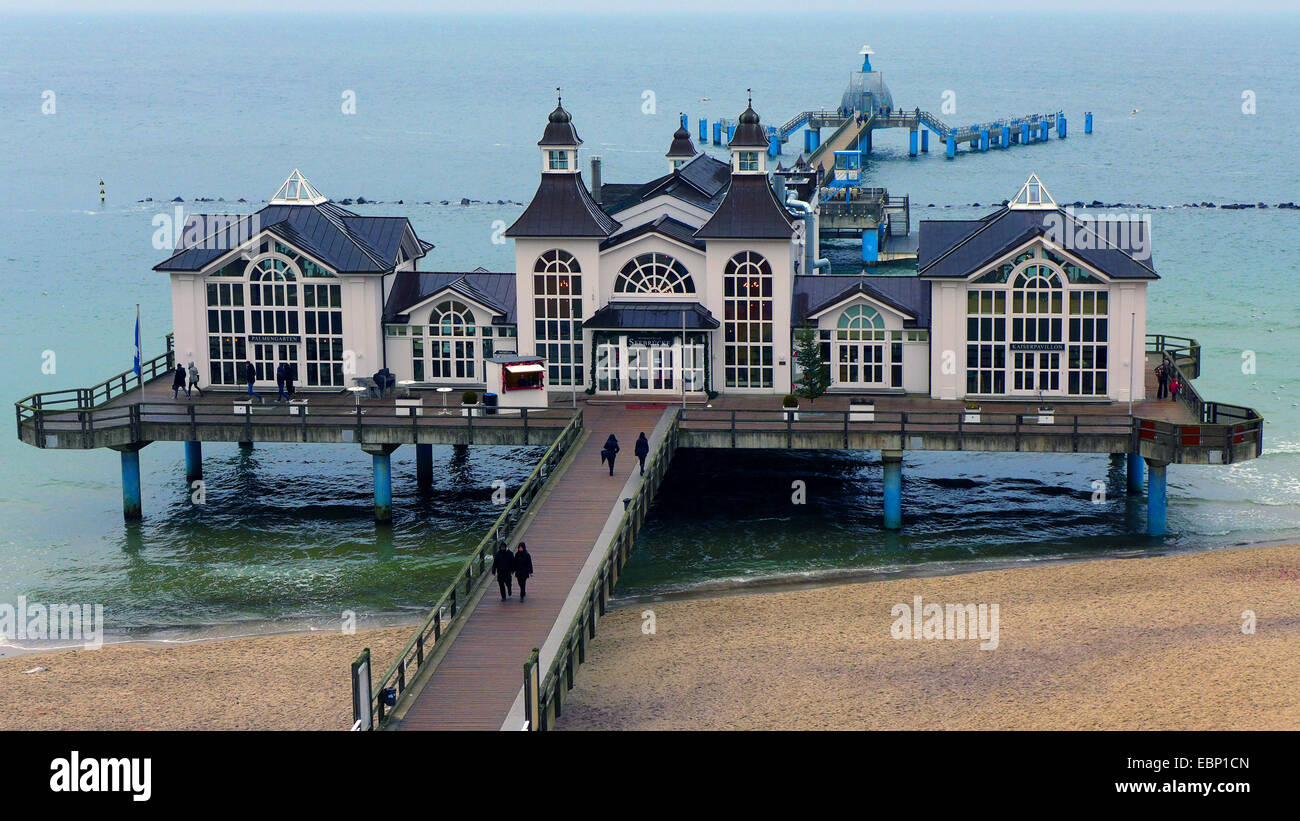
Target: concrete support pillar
[
  {"x": 892, "y": 460},
  {"x": 913, "y": 143},
  {"x": 984, "y": 139},
  {"x": 381, "y": 457},
  {"x": 424, "y": 466},
  {"x": 1061, "y": 127},
  {"x": 1087, "y": 123},
  {"x": 952, "y": 146},
  {"x": 1156, "y": 501},
  {"x": 717, "y": 133},
  {"x": 704, "y": 131},
  {"x": 131, "y": 510},
  {"x": 864, "y": 146},
  {"x": 925, "y": 141},
  {"x": 1006, "y": 136},
  {"x": 1136, "y": 480},
  {"x": 1042, "y": 130},
  {"x": 193, "y": 461},
  {"x": 1024, "y": 133}
]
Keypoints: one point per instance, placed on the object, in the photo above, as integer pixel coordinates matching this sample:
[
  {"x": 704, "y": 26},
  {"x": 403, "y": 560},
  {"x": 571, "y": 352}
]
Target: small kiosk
[{"x": 517, "y": 380}]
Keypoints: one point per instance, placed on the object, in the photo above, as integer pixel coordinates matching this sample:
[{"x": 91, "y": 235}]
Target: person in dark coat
[
  {"x": 250, "y": 376},
  {"x": 503, "y": 565},
  {"x": 608, "y": 453},
  {"x": 178, "y": 382},
  {"x": 642, "y": 450},
  {"x": 1162, "y": 380},
  {"x": 523, "y": 569},
  {"x": 281, "y": 377},
  {"x": 290, "y": 374}
]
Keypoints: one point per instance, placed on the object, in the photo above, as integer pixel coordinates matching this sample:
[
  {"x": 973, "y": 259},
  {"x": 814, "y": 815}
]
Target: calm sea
[{"x": 450, "y": 108}]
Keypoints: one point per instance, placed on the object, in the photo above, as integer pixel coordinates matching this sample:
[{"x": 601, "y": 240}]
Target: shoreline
[{"x": 1204, "y": 640}]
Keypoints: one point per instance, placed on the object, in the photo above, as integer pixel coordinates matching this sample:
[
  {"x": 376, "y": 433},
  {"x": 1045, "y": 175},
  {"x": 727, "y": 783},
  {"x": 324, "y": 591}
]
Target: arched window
[
  {"x": 859, "y": 352},
  {"x": 452, "y": 341},
  {"x": 557, "y": 315},
  {"x": 860, "y": 322},
  {"x": 1036, "y": 320},
  {"x": 748, "y": 327},
  {"x": 654, "y": 273}
]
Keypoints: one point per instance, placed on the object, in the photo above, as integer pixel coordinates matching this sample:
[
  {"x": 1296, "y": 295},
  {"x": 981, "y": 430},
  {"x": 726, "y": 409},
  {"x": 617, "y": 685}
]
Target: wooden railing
[
  {"x": 450, "y": 606},
  {"x": 573, "y": 648},
  {"x": 33, "y": 408}
]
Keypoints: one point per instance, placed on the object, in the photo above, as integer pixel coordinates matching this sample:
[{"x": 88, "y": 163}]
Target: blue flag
[{"x": 137, "y": 340}]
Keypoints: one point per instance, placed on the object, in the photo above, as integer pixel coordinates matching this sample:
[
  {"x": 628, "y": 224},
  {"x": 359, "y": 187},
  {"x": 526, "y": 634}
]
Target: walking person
[
  {"x": 281, "y": 376},
  {"x": 642, "y": 450},
  {"x": 250, "y": 376},
  {"x": 1162, "y": 380},
  {"x": 290, "y": 374},
  {"x": 523, "y": 569},
  {"x": 1175, "y": 385},
  {"x": 193, "y": 383},
  {"x": 608, "y": 453},
  {"x": 178, "y": 382},
  {"x": 503, "y": 565}
]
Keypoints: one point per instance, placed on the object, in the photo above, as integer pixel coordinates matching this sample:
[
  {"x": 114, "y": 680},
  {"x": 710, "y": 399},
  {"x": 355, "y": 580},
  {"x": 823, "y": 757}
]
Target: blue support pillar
[
  {"x": 774, "y": 145},
  {"x": 1006, "y": 136},
  {"x": 686, "y": 122},
  {"x": 1024, "y": 133},
  {"x": 381, "y": 458},
  {"x": 704, "y": 131},
  {"x": 731, "y": 132},
  {"x": 130, "y": 483},
  {"x": 870, "y": 246},
  {"x": 717, "y": 133},
  {"x": 1136, "y": 480},
  {"x": 892, "y": 462},
  {"x": 984, "y": 139},
  {"x": 1087, "y": 123},
  {"x": 913, "y": 143},
  {"x": 925, "y": 141},
  {"x": 1156, "y": 502},
  {"x": 952, "y": 146},
  {"x": 1061, "y": 127},
  {"x": 1042, "y": 130},
  {"x": 193, "y": 461},
  {"x": 424, "y": 466}
]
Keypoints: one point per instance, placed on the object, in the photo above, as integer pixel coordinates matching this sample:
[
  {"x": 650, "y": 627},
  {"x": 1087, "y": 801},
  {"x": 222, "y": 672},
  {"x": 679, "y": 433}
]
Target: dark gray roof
[
  {"x": 682, "y": 147},
  {"x": 559, "y": 129},
  {"x": 748, "y": 211},
  {"x": 562, "y": 207},
  {"x": 908, "y": 294},
  {"x": 645, "y": 316},
  {"x": 333, "y": 236},
  {"x": 664, "y": 225},
  {"x": 959, "y": 248},
  {"x": 702, "y": 182},
  {"x": 749, "y": 133},
  {"x": 491, "y": 289}
]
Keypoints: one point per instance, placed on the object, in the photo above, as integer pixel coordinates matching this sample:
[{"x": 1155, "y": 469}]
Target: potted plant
[
  {"x": 972, "y": 413},
  {"x": 468, "y": 400},
  {"x": 791, "y": 405},
  {"x": 862, "y": 409}
]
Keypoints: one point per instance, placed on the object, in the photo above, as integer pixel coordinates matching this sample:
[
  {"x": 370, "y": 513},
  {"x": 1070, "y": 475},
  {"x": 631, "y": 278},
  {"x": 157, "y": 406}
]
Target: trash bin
[{"x": 490, "y": 404}]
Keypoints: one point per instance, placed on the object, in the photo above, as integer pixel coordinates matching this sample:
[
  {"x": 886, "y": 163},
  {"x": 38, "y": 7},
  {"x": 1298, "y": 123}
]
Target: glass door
[
  {"x": 661, "y": 369},
  {"x": 268, "y": 356}
]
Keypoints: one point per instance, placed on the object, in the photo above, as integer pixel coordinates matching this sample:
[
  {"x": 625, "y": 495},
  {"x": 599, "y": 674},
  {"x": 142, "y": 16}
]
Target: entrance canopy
[{"x": 645, "y": 316}]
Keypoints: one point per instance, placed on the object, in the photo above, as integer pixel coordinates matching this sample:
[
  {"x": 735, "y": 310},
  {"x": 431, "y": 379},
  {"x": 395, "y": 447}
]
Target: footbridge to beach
[{"x": 477, "y": 662}]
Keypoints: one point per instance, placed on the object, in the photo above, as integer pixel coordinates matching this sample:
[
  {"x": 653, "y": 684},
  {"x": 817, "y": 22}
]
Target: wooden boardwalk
[{"x": 475, "y": 684}]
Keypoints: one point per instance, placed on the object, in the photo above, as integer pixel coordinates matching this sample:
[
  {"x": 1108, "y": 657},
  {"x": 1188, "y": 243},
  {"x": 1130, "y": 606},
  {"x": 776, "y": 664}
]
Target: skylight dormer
[{"x": 297, "y": 191}]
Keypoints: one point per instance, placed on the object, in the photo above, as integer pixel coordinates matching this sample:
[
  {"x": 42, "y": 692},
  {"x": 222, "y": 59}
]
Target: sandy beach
[
  {"x": 296, "y": 681},
  {"x": 1146, "y": 644}
]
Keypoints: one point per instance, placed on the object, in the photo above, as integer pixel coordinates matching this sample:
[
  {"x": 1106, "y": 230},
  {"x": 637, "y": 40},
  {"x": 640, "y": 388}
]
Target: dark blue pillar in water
[
  {"x": 1136, "y": 480},
  {"x": 193, "y": 461},
  {"x": 130, "y": 483},
  {"x": 686, "y": 123},
  {"x": 717, "y": 133},
  {"x": 952, "y": 146},
  {"x": 1042, "y": 130},
  {"x": 870, "y": 245},
  {"x": 984, "y": 139},
  {"x": 704, "y": 131},
  {"x": 1087, "y": 123},
  {"x": 424, "y": 466},
  {"x": 1060, "y": 127},
  {"x": 1006, "y": 136},
  {"x": 1024, "y": 133},
  {"x": 913, "y": 143},
  {"x": 1156, "y": 502},
  {"x": 731, "y": 132},
  {"x": 925, "y": 141},
  {"x": 774, "y": 145},
  {"x": 381, "y": 458},
  {"x": 892, "y": 462}
]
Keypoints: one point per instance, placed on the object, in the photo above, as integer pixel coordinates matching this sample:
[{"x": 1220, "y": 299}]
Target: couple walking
[
  {"x": 1168, "y": 383},
  {"x": 610, "y": 451},
  {"x": 505, "y": 563},
  {"x": 185, "y": 380}
]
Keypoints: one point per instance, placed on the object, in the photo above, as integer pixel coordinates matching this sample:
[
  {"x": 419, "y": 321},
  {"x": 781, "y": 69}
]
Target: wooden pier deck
[{"x": 474, "y": 685}]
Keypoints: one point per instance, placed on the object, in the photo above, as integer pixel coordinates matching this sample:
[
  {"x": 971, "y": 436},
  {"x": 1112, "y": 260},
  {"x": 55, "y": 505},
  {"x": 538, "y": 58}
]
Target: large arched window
[
  {"x": 859, "y": 353},
  {"x": 557, "y": 315},
  {"x": 1036, "y": 328},
  {"x": 452, "y": 341},
  {"x": 654, "y": 273},
  {"x": 747, "y": 307},
  {"x": 287, "y": 319}
]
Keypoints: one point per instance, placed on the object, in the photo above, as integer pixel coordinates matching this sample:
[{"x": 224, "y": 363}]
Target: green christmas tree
[{"x": 816, "y": 376}]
